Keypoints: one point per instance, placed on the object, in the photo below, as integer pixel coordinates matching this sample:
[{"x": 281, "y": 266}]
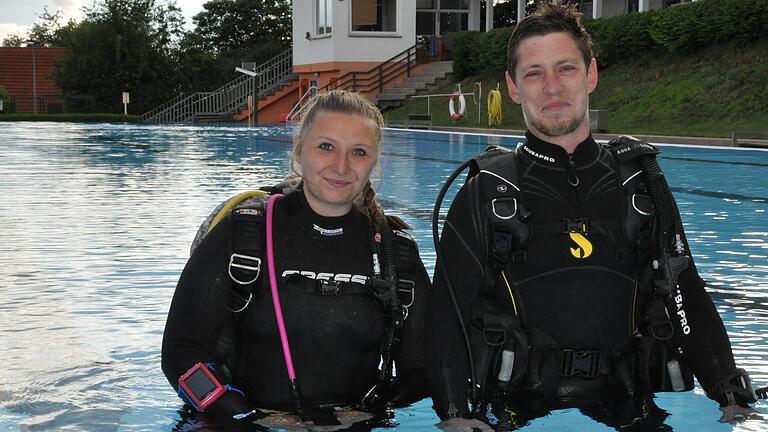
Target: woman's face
[{"x": 337, "y": 156}]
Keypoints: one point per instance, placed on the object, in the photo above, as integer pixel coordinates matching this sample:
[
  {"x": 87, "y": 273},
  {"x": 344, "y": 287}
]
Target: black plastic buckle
[
  {"x": 577, "y": 225},
  {"x": 583, "y": 364},
  {"x": 327, "y": 287}
]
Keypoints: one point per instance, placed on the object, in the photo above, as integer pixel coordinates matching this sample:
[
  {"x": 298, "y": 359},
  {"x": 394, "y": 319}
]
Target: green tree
[
  {"x": 46, "y": 31},
  {"x": 228, "y": 25},
  {"x": 229, "y": 32},
  {"x": 13, "y": 41},
  {"x": 123, "y": 45},
  {"x": 505, "y": 14}
]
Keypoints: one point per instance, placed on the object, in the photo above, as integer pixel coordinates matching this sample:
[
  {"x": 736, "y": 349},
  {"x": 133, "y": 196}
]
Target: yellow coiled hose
[{"x": 494, "y": 108}]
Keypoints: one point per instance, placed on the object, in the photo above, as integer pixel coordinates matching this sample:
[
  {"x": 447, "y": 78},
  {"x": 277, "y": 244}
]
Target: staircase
[
  {"x": 229, "y": 99},
  {"x": 396, "y": 95}
]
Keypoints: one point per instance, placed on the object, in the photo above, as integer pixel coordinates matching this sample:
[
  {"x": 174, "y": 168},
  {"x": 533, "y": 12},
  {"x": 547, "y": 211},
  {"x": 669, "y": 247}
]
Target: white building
[{"x": 333, "y": 37}]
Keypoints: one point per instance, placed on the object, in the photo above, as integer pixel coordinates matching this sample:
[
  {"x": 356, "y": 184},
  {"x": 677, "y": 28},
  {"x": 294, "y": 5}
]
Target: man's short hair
[{"x": 551, "y": 16}]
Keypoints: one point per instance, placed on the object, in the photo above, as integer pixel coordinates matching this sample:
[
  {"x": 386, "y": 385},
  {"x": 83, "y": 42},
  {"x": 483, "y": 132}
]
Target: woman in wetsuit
[{"x": 327, "y": 234}]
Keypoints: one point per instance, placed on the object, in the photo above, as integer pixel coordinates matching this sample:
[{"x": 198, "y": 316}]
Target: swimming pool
[{"x": 97, "y": 220}]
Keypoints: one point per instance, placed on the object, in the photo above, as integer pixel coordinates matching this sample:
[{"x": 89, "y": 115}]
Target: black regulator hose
[{"x": 444, "y": 272}]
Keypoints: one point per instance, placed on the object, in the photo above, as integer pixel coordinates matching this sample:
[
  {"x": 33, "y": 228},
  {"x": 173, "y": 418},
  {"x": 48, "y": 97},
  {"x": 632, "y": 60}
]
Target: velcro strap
[
  {"x": 578, "y": 224},
  {"x": 324, "y": 287}
]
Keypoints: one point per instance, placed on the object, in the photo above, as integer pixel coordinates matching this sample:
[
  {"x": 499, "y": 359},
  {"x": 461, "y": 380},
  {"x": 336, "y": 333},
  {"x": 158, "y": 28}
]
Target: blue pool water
[{"x": 96, "y": 223}]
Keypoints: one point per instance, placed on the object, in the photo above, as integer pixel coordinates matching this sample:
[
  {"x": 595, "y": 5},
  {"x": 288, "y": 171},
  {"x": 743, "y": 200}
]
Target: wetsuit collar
[{"x": 553, "y": 155}]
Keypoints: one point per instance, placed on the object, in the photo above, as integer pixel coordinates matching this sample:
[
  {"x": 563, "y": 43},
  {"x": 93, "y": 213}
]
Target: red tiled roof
[{"x": 16, "y": 73}]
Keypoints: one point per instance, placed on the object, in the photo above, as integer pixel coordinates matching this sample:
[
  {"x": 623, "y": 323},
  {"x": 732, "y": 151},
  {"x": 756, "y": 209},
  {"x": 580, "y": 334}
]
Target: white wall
[
  {"x": 319, "y": 47},
  {"x": 342, "y": 46}
]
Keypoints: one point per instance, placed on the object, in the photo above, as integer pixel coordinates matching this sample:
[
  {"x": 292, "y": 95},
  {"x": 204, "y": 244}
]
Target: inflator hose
[{"x": 439, "y": 254}]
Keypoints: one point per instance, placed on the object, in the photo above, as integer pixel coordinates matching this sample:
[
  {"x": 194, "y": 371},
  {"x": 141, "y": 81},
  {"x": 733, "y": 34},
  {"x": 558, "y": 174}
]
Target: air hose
[
  {"x": 672, "y": 256},
  {"x": 444, "y": 272},
  {"x": 389, "y": 282}
]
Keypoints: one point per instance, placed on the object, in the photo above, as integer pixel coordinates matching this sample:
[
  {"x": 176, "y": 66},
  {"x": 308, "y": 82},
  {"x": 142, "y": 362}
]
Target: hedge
[
  {"x": 77, "y": 118},
  {"x": 707, "y": 22},
  {"x": 683, "y": 28}
]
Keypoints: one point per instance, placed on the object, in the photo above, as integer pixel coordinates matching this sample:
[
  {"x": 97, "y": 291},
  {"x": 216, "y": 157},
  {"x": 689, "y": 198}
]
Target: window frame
[
  {"x": 316, "y": 19},
  {"x": 371, "y": 33}
]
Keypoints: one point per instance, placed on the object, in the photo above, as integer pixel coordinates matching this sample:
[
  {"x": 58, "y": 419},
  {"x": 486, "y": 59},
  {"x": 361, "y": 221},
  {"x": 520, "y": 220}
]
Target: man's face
[{"x": 552, "y": 84}]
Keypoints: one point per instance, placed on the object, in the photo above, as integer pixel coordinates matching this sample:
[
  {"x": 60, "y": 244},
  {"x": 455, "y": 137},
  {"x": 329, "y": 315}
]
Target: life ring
[{"x": 456, "y": 116}]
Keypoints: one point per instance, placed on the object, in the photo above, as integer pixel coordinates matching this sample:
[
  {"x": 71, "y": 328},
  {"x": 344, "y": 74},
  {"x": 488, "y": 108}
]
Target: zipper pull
[{"x": 573, "y": 179}]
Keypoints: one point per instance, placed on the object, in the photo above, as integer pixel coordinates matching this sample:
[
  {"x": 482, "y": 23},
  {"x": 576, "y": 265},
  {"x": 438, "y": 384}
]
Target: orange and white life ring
[{"x": 456, "y": 116}]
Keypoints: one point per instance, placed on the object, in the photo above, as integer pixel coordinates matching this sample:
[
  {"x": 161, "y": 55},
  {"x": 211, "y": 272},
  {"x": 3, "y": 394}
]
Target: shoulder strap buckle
[{"x": 247, "y": 263}]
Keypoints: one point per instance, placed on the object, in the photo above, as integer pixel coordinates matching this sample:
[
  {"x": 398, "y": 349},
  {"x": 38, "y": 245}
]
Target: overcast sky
[{"x": 17, "y": 16}]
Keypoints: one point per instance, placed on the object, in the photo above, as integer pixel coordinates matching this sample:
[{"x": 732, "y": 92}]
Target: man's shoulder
[{"x": 498, "y": 172}]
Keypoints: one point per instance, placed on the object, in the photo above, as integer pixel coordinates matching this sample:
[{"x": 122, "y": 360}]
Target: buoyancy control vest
[
  {"x": 392, "y": 283},
  {"x": 513, "y": 349}
]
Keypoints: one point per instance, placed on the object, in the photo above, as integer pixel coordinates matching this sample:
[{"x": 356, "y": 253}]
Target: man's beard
[{"x": 556, "y": 128}]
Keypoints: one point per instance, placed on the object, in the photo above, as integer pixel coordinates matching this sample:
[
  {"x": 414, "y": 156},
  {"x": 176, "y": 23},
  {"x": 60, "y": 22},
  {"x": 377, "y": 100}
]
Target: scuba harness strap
[{"x": 247, "y": 246}]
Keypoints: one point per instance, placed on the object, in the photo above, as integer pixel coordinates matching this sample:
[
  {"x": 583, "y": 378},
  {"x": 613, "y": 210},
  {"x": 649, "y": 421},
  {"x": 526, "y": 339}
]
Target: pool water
[{"x": 97, "y": 221}]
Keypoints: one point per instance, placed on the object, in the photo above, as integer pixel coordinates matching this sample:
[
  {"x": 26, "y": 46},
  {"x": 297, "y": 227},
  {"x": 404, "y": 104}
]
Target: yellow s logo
[{"x": 585, "y": 247}]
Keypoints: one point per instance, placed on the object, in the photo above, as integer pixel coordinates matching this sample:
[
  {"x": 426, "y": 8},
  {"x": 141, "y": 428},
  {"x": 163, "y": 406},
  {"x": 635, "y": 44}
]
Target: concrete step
[{"x": 398, "y": 94}]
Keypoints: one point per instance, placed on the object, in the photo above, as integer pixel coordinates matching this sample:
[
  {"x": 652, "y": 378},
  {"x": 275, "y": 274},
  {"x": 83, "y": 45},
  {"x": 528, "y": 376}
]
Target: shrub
[
  {"x": 8, "y": 105},
  {"x": 683, "y": 28},
  {"x": 466, "y": 54},
  {"x": 493, "y": 50},
  {"x": 693, "y": 26},
  {"x": 622, "y": 37}
]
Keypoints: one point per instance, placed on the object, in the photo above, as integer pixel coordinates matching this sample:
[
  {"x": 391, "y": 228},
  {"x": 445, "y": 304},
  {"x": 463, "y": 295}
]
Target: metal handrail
[
  {"x": 379, "y": 75},
  {"x": 229, "y": 97},
  {"x": 159, "y": 108},
  {"x": 301, "y": 105}
]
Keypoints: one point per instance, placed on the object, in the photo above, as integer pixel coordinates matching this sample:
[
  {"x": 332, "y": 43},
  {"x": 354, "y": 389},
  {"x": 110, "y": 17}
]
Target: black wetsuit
[
  {"x": 335, "y": 339},
  {"x": 576, "y": 295}
]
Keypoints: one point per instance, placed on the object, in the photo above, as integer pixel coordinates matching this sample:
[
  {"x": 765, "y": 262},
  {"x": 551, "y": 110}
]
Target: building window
[
  {"x": 453, "y": 22},
  {"x": 435, "y": 17},
  {"x": 454, "y": 4},
  {"x": 374, "y": 15},
  {"x": 324, "y": 16},
  {"x": 425, "y": 23}
]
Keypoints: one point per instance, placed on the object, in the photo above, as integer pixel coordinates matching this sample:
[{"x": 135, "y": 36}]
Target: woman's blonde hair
[{"x": 344, "y": 102}]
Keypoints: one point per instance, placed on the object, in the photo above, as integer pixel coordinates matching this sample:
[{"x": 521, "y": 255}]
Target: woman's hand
[
  {"x": 737, "y": 413},
  {"x": 294, "y": 424},
  {"x": 463, "y": 425}
]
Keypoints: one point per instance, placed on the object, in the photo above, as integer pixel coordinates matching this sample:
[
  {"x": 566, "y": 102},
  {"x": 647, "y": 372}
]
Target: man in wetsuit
[{"x": 548, "y": 254}]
